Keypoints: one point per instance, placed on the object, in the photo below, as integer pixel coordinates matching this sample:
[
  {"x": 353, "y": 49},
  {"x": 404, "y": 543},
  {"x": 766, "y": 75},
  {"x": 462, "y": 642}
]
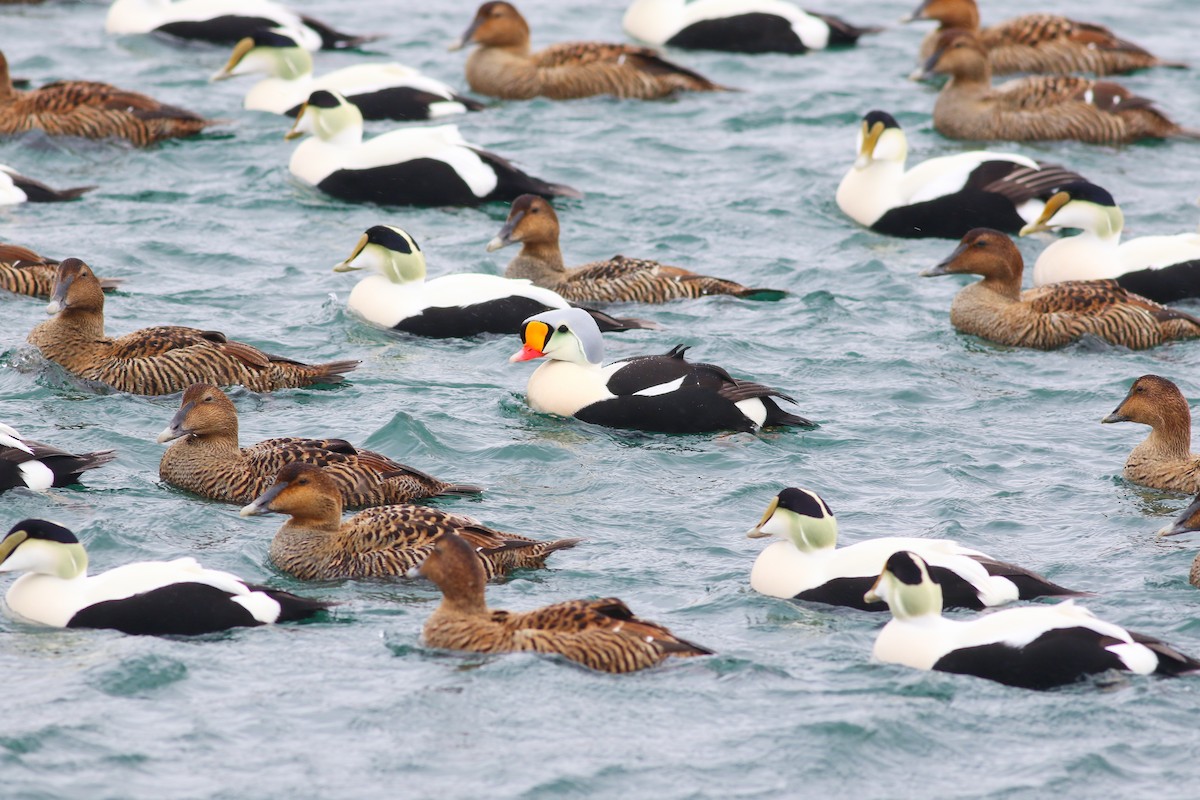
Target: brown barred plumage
[
  {"x": 386, "y": 541},
  {"x": 1165, "y": 459},
  {"x": 1051, "y": 316},
  {"x": 23, "y": 271},
  {"x": 502, "y": 65},
  {"x": 602, "y": 635},
  {"x": 159, "y": 360}
]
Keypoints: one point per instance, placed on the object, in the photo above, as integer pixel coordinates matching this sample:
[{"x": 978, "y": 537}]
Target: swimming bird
[
  {"x": 207, "y": 460},
  {"x": 603, "y": 635},
  {"x": 666, "y": 393},
  {"x": 945, "y": 196},
  {"x": 397, "y": 296},
  {"x": 416, "y": 166},
  {"x": 1035, "y": 647},
  {"x": 502, "y": 66},
  {"x": 1188, "y": 521},
  {"x": 153, "y": 598},
  {"x": 1162, "y": 268},
  {"x": 16, "y": 188},
  {"x": 37, "y": 466},
  {"x": 739, "y": 26},
  {"x": 380, "y": 91},
  {"x": 1165, "y": 459},
  {"x": 223, "y": 21},
  {"x": 315, "y": 544},
  {"x": 808, "y": 564},
  {"x": 92, "y": 110},
  {"x": 1051, "y": 316},
  {"x": 1038, "y": 43},
  {"x": 22, "y": 271},
  {"x": 159, "y": 360},
  {"x": 1037, "y": 108},
  {"x": 533, "y": 224}
]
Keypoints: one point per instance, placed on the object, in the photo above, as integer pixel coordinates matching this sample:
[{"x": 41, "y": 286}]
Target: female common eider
[
  {"x": 1165, "y": 459},
  {"x": 315, "y": 544},
  {"x": 37, "y": 466},
  {"x": 738, "y": 26},
  {"x": 1188, "y": 521},
  {"x": 603, "y": 635},
  {"x": 808, "y": 564},
  {"x": 23, "y": 271},
  {"x": 153, "y": 598},
  {"x": 1162, "y": 268},
  {"x": 665, "y": 394},
  {"x": 942, "y": 197},
  {"x": 502, "y": 66},
  {"x": 380, "y": 91},
  {"x": 206, "y": 459},
  {"x": 1035, "y": 647},
  {"x": 397, "y": 296},
  {"x": 1052, "y": 316},
  {"x": 416, "y": 166},
  {"x": 1039, "y": 43},
  {"x": 160, "y": 360},
  {"x": 16, "y": 188},
  {"x": 1039, "y": 108},
  {"x": 533, "y": 224}
]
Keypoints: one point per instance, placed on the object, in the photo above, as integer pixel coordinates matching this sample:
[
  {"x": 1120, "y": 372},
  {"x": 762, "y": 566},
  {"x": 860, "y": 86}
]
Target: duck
[
  {"x": 149, "y": 598},
  {"x": 502, "y": 66},
  {"x": 419, "y": 166},
  {"x": 22, "y": 271},
  {"x": 663, "y": 394},
  {"x": 93, "y": 111},
  {"x": 315, "y": 544},
  {"x": 1038, "y": 43},
  {"x": 1051, "y": 316},
  {"x": 15, "y": 188},
  {"x": 206, "y": 459},
  {"x": 1034, "y": 647},
  {"x": 1164, "y": 269},
  {"x": 223, "y": 22},
  {"x": 1188, "y": 521},
  {"x": 942, "y": 197},
  {"x": 380, "y": 91},
  {"x": 602, "y": 635},
  {"x": 161, "y": 360},
  {"x": 738, "y": 26},
  {"x": 397, "y": 296},
  {"x": 37, "y": 466},
  {"x": 1039, "y": 108},
  {"x": 808, "y": 564},
  {"x": 533, "y": 223},
  {"x": 1165, "y": 459}
]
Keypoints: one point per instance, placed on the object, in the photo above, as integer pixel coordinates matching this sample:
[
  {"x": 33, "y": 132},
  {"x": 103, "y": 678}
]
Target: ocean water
[{"x": 923, "y": 432}]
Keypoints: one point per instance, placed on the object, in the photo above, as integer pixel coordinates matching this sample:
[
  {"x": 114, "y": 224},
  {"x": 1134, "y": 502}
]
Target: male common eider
[
  {"x": 1188, "y": 521},
  {"x": 1165, "y": 459},
  {"x": 154, "y": 598},
  {"x": 1035, "y": 647},
  {"x": 603, "y": 635},
  {"x": 665, "y": 394},
  {"x": 37, "y": 466},
  {"x": 945, "y": 196},
  {"x": 16, "y": 188},
  {"x": 415, "y": 166}
]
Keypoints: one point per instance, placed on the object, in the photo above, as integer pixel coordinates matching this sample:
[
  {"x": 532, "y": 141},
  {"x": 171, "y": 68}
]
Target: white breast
[{"x": 562, "y": 388}]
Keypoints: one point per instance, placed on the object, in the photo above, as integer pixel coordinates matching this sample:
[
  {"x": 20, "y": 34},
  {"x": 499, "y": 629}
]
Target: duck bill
[
  {"x": 757, "y": 531},
  {"x": 504, "y": 237},
  {"x": 1183, "y": 523},
  {"x": 176, "y": 429},
  {"x": 58, "y": 299},
  {"x": 944, "y": 267},
  {"x": 526, "y": 353},
  {"x": 11, "y": 543},
  {"x": 296, "y": 132},
  {"x": 465, "y": 39},
  {"x": 872, "y": 595},
  {"x": 261, "y": 505},
  {"x": 348, "y": 264},
  {"x": 239, "y": 52},
  {"x": 1042, "y": 223},
  {"x": 1116, "y": 415},
  {"x": 916, "y": 14},
  {"x": 870, "y": 140}
]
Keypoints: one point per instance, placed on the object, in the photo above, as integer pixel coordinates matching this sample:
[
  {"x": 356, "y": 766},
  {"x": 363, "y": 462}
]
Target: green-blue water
[{"x": 924, "y": 432}]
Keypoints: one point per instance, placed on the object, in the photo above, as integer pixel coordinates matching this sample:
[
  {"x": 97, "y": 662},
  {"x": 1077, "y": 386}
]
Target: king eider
[
  {"x": 38, "y": 466},
  {"x": 1036, "y": 647},
  {"x": 397, "y": 296},
  {"x": 380, "y": 91},
  {"x": 739, "y": 26},
  {"x": 1162, "y": 268},
  {"x": 945, "y": 196},
  {"x": 154, "y": 598},
  {"x": 808, "y": 564},
  {"x": 603, "y": 635},
  {"x": 415, "y": 166},
  {"x": 1165, "y": 459},
  {"x": 666, "y": 393},
  {"x": 16, "y": 188}
]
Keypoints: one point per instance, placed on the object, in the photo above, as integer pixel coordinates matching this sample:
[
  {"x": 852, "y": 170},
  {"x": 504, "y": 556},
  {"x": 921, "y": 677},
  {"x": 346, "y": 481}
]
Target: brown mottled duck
[{"x": 1165, "y": 459}]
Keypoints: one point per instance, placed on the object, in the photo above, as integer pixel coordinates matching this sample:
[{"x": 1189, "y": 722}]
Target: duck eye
[
  {"x": 534, "y": 210},
  {"x": 208, "y": 399},
  {"x": 562, "y": 328},
  {"x": 981, "y": 243}
]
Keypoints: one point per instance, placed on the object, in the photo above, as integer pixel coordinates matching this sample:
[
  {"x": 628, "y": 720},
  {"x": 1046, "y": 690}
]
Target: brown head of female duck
[
  {"x": 533, "y": 224},
  {"x": 206, "y": 459},
  {"x": 1051, "y": 316},
  {"x": 160, "y": 360},
  {"x": 385, "y": 541},
  {"x": 1165, "y": 459}
]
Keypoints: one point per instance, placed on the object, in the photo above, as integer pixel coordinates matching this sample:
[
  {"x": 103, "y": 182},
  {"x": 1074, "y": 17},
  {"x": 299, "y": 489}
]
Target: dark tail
[
  {"x": 333, "y": 372},
  {"x": 1171, "y": 662},
  {"x": 683, "y": 648},
  {"x": 768, "y": 295},
  {"x": 336, "y": 40},
  {"x": 777, "y": 416},
  {"x": 293, "y": 607},
  {"x": 68, "y": 468},
  {"x": 842, "y": 33},
  {"x": 610, "y": 324},
  {"x": 472, "y": 105}
]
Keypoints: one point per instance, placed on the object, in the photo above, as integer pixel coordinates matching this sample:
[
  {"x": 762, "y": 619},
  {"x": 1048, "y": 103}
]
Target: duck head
[
  {"x": 391, "y": 252},
  {"x": 880, "y": 139},
  {"x": 985, "y": 252},
  {"x": 961, "y": 14},
  {"x": 1187, "y": 521},
  {"x": 204, "y": 410},
  {"x": 960, "y": 55},
  {"x": 496, "y": 25},
  {"x": 271, "y": 52},
  {"x": 907, "y": 588},
  {"x": 76, "y": 288},
  {"x": 531, "y": 221},
  {"x": 330, "y": 117},
  {"x": 801, "y": 517},
  {"x": 1080, "y": 205},
  {"x": 564, "y": 334},
  {"x": 454, "y": 567},
  {"x": 1153, "y": 401},
  {"x": 35, "y": 545},
  {"x": 303, "y": 491}
]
